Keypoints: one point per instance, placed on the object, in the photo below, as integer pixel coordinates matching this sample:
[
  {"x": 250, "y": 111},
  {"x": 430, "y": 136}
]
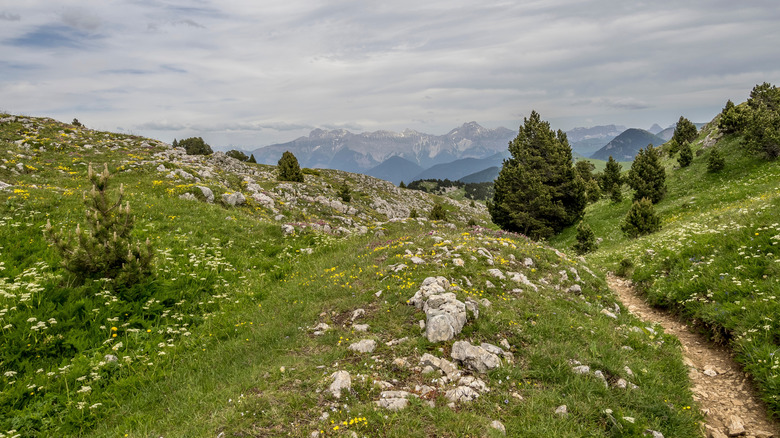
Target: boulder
[
  {"x": 341, "y": 382},
  {"x": 207, "y": 193},
  {"x": 474, "y": 357},
  {"x": 233, "y": 199},
  {"x": 364, "y": 346}
]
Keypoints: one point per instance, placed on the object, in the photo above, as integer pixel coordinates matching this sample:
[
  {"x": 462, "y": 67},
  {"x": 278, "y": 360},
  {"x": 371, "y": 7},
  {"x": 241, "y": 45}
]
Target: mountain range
[
  {"x": 625, "y": 146},
  {"x": 344, "y": 150}
]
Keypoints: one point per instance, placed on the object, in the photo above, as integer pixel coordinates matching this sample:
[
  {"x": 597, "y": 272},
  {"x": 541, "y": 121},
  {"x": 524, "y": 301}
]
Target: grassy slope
[
  {"x": 716, "y": 259},
  {"x": 218, "y": 341}
]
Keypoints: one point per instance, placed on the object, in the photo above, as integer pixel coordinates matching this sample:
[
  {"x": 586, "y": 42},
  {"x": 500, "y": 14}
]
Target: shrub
[
  {"x": 586, "y": 239},
  {"x": 345, "y": 193},
  {"x": 611, "y": 175},
  {"x": 195, "y": 146},
  {"x": 289, "y": 169},
  {"x": 647, "y": 176},
  {"x": 238, "y": 155},
  {"x": 593, "y": 191},
  {"x": 106, "y": 249},
  {"x": 471, "y": 223},
  {"x": 715, "y": 161},
  {"x": 732, "y": 119},
  {"x": 402, "y": 185},
  {"x": 413, "y": 214},
  {"x": 252, "y": 159},
  {"x": 438, "y": 213},
  {"x": 616, "y": 194},
  {"x": 686, "y": 155},
  {"x": 641, "y": 219},
  {"x": 76, "y": 122},
  {"x": 624, "y": 268}
]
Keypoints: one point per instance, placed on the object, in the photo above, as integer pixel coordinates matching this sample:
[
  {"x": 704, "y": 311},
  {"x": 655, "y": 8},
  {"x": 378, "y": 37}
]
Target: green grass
[
  {"x": 218, "y": 341},
  {"x": 716, "y": 259}
]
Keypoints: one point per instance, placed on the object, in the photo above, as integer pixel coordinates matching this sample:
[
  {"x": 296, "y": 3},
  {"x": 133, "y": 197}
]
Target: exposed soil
[{"x": 724, "y": 393}]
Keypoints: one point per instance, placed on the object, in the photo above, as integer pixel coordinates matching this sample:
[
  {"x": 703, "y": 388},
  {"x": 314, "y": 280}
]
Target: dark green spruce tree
[
  {"x": 289, "y": 169},
  {"x": 647, "y": 176},
  {"x": 537, "y": 191},
  {"x": 686, "y": 155},
  {"x": 684, "y": 132},
  {"x": 611, "y": 175}
]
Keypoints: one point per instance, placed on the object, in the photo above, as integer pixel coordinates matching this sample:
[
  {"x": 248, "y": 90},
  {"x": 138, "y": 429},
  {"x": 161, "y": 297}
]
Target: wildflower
[{"x": 84, "y": 389}]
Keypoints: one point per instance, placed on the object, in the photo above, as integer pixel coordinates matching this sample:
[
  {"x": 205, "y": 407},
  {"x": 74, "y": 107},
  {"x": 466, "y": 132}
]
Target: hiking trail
[{"x": 726, "y": 396}]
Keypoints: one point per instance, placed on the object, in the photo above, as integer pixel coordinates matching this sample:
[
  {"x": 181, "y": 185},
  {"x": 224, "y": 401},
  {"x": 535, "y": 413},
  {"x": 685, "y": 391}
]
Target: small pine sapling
[
  {"x": 586, "y": 239},
  {"x": 686, "y": 155},
  {"x": 715, "y": 161},
  {"x": 106, "y": 249},
  {"x": 641, "y": 219},
  {"x": 345, "y": 193},
  {"x": 438, "y": 213},
  {"x": 616, "y": 194}
]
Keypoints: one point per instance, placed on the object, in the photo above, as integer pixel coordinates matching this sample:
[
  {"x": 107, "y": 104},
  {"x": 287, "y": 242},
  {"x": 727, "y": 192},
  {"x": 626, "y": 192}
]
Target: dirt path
[{"x": 726, "y": 396}]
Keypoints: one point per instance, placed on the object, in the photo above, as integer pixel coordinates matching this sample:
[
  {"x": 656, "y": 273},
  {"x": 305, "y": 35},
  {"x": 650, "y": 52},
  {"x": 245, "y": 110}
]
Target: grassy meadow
[
  {"x": 716, "y": 260},
  {"x": 219, "y": 340}
]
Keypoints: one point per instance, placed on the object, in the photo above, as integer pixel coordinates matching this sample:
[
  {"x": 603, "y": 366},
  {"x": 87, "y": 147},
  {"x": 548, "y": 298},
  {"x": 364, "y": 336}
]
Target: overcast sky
[{"x": 253, "y": 72}]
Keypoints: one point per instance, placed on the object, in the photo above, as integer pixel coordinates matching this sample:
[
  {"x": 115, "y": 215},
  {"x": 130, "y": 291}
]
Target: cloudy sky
[{"x": 248, "y": 73}]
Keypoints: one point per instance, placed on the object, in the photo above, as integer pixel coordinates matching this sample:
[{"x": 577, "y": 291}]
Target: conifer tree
[
  {"x": 732, "y": 118},
  {"x": 402, "y": 185},
  {"x": 196, "y": 146},
  {"x": 175, "y": 143},
  {"x": 611, "y": 175},
  {"x": 105, "y": 249},
  {"x": 715, "y": 161},
  {"x": 438, "y": 213},
  {"x": 684, "y": 132},
  {"x": 616, "y": 194},
  {"x": 686, "y": 155},
  {"x": 252, "y": 159},
  {"x": 345, "y": 193},
  {"x": 593, "y": 191},
  {"x": 289, "y": 169},
  {"x": 537, "y": 192},
  {"x": 641, "y": 219},
  {"x": 586, "y": 239},
  {"x": 647, "y": 176}
]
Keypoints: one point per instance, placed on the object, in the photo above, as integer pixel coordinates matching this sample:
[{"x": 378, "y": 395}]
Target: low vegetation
[{"x": 222, "y": 338}]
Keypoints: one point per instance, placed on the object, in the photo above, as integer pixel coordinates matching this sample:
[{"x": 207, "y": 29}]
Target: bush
[
  {"x": 686, "y": 155},
  {"x": 732, "y": 119},
  {"x": 624, "y": 268},
  {"x": 593, "y": 191},
  {"x": 641, "y": 219},
  {"x": 76, "y": 122},
  {"x": 252, "y": 159},
  {"x": 586, "y": 239},
  {"x": 106, "y": 249},
  {"x": 289, "y": 169},
  {"x": 616, "y": 194},
  {"x": 611, "y": 175},
  {"x": 413, "y": 214},
  {"x": 195, "y": 146},
  {"x": 438, "y": 213},
  {"x": 715, "y": 161},
  {"x": 238, "y": 155},
  {"x": 647, "y": 176},
  {"x": 345, "y": 193}
]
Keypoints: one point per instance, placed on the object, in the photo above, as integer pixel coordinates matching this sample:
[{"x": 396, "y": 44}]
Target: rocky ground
[{"x": 729, "y": 402}]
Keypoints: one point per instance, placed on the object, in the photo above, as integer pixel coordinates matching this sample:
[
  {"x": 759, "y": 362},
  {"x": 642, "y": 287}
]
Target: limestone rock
[
  {"x": 497, "y": 273},
  {"x": 341, "y": 382},
  {"x": 264, "y": 200},
  {"x": 562, "y": 410},
  {"x": 474, "y": 357},
  {"x": 207, "y": 193},
  {"x": 364, "y": 346},
  {"x": 499, "y": 426},
  {"x": 394, "y": 400},
  {"x": 461, "y": 394},
  {"x": 736, "y": 427},
  {"x": 188, "y": 197}
]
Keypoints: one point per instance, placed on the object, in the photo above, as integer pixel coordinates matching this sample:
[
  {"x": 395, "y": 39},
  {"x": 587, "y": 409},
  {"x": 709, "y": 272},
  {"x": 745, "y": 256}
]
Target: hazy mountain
[
  {"x": 395, "y": 169},
  {"x": 625, "y": 146},
  {"x": 586, "y": 141},
  {"x": 655, "y": 129},
  {"x": 344, "y": 150},
  {"x": 667, "y": 133},
  {"x": 457, "y": 169},
  {"x": 488, "y": 175}
]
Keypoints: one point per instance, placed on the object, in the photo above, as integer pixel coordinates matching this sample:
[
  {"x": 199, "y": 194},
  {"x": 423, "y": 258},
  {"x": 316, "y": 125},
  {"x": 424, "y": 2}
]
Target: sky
[{"x": 249, "y": 73}]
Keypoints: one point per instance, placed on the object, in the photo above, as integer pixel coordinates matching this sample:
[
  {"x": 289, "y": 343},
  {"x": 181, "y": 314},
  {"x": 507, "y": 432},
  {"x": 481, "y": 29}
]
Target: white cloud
[{"x": 253, "y": 73}]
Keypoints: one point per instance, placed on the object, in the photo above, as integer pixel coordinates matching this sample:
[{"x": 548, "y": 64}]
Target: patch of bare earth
[{"x": 724, "y": 393}]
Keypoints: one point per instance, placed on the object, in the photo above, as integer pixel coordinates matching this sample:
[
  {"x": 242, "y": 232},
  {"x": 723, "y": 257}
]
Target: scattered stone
[
  {"x": 400, "y": 362},
  {"x": 393, "y": 400},
  {"x": 341, "y": 382},
  {"x": 621, "y": 383},
  {"x": 360, "y": 327},
  {"x": 357, "y": 314},
  {"x": 736, "y": 427},
  {"x": 461, "y": 394},
  {"x": 458, "y": 262},
  {"x": 416, "y": 260},
  {"x": 608, "y": 313},
  {"x": 364, "y": 346},
  {"x": 497, "y": 273},
  {"x": 528, "y": 262},
  {"x": 489, "y": 285},
  {"x": 562, "y": 410},
  {"x": 188, "y": 197},
  {"x": 288, "y": 229},
  {"x": 264, "y": 200},
  {"x": 396, "y": 341},
  {"x": 207, "y": 193},
  {"x": 575, "y": 289},
  {"x": 762, "y": 434},
  {"x": 709, "y": 370},
  {"x": 582, "y": 369},
  {"x": 474, "y": 357},
  {"x": 714, "y": 433},
  {"x": 499, "y": 426},
  {"x": 654, "y": 433},
  {"x": 521, "y": 278},
  {"x": 320, "y": 329},
  {"x": 505, "y": 344},
  {"x": 601, "y": 376}
]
